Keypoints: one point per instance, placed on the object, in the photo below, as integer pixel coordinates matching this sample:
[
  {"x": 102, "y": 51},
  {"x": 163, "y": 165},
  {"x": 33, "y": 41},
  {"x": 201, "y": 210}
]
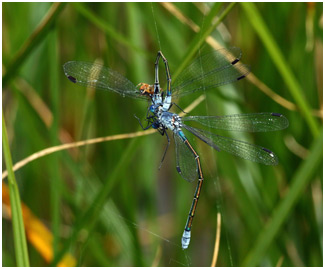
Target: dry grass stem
[
  {"x": 36, "y": 102},
  {"x": 251, "y": 77},
  {"x": 51, "y": 150},
  {"x": 295, "y": 147},
  {"x": 217, "y": 242}
]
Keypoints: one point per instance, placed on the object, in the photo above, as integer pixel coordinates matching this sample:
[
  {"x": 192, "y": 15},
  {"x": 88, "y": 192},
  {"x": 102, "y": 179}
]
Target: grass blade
[
  {"x": 93, "y": 212},
  {"x": 108, "y": 29},
  {"x": 299, "y": 182},
  {"x": 263, "y": 32},
  {"x": 55, "y": 179},
  {"x": 203, "y": 34},
  {"x": 33, "y": 41},
  {"x": 20, "y": 244}
]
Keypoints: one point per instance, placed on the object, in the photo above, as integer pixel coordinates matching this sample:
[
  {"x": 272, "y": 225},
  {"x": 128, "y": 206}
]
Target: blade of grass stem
[
  {"x": 33, "y": 41},
  {"x": 90, "y": 217},
  {"x": 51, "y": 150},
  {"x": 252, "y": 78},
  {"x": 116, "y": 226},
  {"x": 217, "y": 242},
  {"x": 263, "y": 32},
  {"x": 203, "y": 34},
  {"x": 20, "y": 244},
  {"x": 108, "y": 29},
  {"x": 300, "y": 180},
  {"x": 55, "y": 183}
]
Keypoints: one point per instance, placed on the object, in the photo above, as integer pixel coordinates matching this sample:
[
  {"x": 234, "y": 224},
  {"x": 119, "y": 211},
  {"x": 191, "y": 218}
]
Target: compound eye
[
  {"x": 155, "y": 125},
  {"x": 152, "y": 108}
]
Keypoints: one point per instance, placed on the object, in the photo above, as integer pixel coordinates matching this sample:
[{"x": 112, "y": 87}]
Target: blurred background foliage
[{"x": 107, "y": 204}]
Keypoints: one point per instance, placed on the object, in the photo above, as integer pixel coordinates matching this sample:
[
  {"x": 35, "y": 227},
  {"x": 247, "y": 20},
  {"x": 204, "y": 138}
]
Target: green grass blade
[
  {"x": 143, "y": 215},
  {"x": 263, "y": 32},
  {"x": 109, "y": 217},
  {"x": 203, "y": 34},
  {"x": 93, "y": 212},
  {"x": 55, "y": 178},
  {"x": 300, "y": 180},
  {"x": 20, "y": 243},
  {"x": 135, "y": 36},
  {"x": 107, "y": 28},
  {"x": 33, "y": 41}
]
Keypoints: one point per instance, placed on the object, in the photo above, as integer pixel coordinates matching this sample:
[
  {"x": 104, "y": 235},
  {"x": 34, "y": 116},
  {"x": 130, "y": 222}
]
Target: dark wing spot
[
  {"x": 72, "y": 79},
  {"x": 241, "y": 77},
  {"x": 276, "y": 114},
  {"x": 268, "y": 151},
  {"x": 235, "y": 61},
  {"x": 178, "y": 169}
]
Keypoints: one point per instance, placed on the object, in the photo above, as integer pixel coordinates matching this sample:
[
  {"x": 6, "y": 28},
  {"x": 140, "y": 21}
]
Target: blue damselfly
[{"x": 210, "y": 70}]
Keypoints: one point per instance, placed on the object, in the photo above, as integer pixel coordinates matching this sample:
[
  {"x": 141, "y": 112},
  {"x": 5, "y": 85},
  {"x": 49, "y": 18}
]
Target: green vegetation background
[{"x": 107, "y": 204}]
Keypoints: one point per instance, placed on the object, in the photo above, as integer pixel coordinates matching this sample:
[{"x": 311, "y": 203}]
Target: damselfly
[{"x": 207, "y": 71}]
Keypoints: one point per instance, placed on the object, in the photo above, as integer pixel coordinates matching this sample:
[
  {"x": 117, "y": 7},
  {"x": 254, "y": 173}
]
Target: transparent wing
[
  {"x": 211, "y": 70},
  {"x": 254, "y": 122},
  {"x": 185, "y": 162},
  {"x": 235, "y": 147},
  {"x": 101, "y": 77}
]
